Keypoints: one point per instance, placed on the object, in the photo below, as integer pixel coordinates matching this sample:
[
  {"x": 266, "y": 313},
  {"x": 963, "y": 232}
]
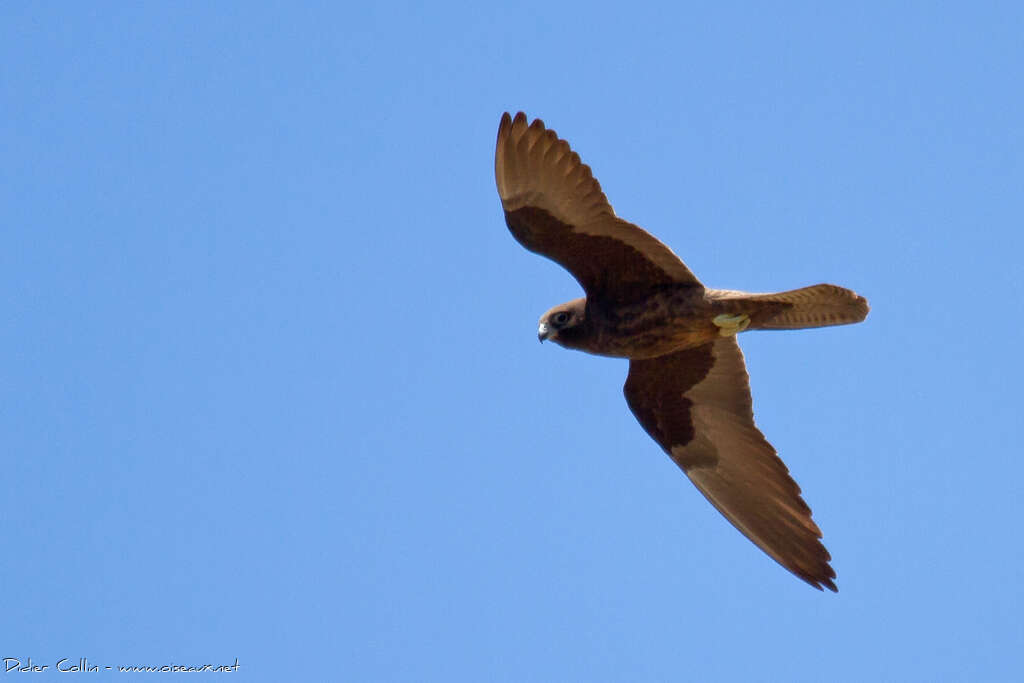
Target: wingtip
[
  {"x": 514, "y": 125},
  {"x": 520, "y": 119},
  {"x": 818, "y": 583},
  {"x": 513, "y": 131},
  {"x": 821, "y": 582},
  {"x": 504, "y": 125}
]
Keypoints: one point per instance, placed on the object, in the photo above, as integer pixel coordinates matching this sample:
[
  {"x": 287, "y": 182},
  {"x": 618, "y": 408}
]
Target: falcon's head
[{"x": 564, "y": 324}]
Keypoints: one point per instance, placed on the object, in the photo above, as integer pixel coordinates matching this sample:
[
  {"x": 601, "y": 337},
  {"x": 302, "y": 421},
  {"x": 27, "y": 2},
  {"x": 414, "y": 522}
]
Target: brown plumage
[{"x": 687, "y": 382}]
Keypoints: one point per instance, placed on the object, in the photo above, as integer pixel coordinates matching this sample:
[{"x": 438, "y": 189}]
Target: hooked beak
[{"x": 543, "y": 332}]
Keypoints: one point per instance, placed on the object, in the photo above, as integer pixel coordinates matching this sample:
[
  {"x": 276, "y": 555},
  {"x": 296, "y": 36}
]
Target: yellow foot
[{"x": 731, "y": 324}]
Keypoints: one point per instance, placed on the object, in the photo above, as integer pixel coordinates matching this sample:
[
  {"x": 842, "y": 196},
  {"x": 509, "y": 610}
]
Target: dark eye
[{"x": 560, "y": 318}]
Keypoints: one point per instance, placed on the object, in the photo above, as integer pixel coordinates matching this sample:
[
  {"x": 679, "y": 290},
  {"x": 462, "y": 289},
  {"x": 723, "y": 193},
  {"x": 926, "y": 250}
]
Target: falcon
[{"x": 687, "y": 383}]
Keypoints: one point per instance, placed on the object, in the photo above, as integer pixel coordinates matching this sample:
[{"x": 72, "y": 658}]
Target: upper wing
[
  {"x": 555, "y": 207},
  {"x": 696, "y": 404}
]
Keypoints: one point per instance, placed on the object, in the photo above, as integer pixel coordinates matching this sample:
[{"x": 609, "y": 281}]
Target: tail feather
[{"x": 814, "y": 306}]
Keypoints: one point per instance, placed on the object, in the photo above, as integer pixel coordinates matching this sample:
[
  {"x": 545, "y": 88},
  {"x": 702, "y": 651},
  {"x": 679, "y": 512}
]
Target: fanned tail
[{"x": 814, "y": 306}]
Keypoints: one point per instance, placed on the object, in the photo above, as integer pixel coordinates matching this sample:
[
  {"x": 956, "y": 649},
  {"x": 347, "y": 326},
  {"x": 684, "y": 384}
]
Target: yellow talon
[{"x": 731, "y": 324}]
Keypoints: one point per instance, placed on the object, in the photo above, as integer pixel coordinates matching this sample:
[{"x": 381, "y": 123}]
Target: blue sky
[{"x": 270, "y": 381}]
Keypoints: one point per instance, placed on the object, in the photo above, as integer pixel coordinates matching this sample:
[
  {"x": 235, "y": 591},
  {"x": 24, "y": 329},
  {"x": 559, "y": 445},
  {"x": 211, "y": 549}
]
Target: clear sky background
[{"x": 271, "y": 387}]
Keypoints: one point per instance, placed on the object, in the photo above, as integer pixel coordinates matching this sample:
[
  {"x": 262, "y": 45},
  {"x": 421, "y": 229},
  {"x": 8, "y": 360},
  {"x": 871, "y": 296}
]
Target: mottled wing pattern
[
  {"x": 555, "y": 207},
  {"x": 696, "y": 404}
]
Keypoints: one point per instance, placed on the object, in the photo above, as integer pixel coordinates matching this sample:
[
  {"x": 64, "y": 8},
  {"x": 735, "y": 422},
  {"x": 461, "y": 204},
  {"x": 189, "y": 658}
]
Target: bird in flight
[{"x": 687, "y": 383}]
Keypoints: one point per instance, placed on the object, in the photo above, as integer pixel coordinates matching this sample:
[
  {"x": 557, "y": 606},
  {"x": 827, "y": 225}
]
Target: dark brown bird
[{"x": 687, "y": 382}]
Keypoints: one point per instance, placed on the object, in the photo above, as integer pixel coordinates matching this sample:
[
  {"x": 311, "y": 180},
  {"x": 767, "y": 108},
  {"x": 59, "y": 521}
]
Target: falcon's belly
[
  {"x": 674, "y": 335},
  {"x": 662, "y": 323}
]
